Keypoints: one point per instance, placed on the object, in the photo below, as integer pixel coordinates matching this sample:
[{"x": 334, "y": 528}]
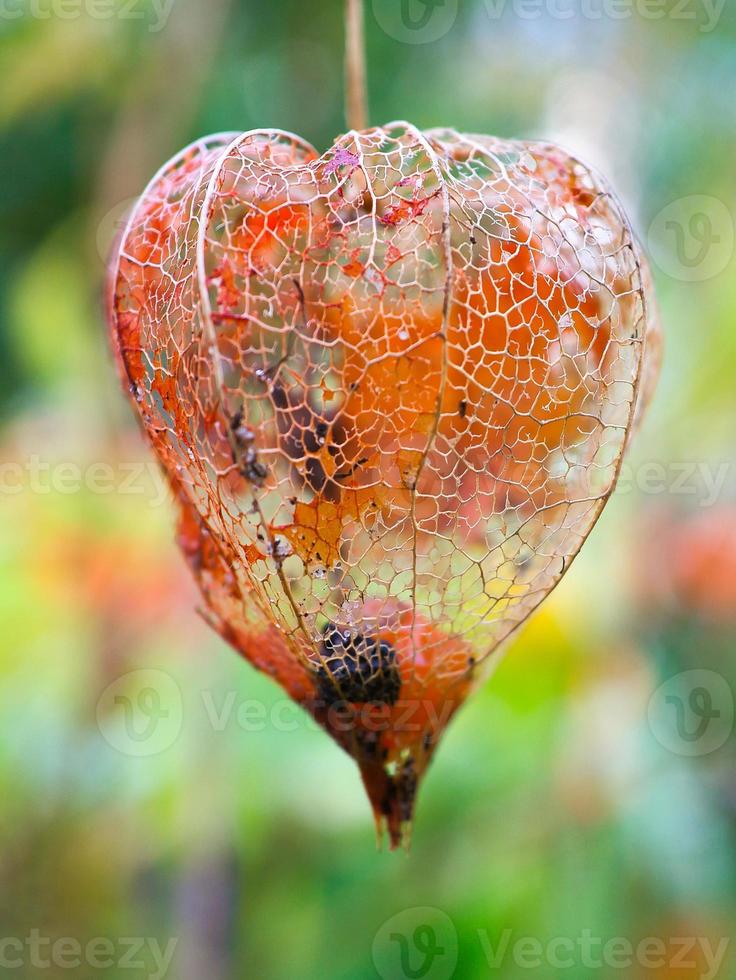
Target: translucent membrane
[{"x": 391, "y": 387}]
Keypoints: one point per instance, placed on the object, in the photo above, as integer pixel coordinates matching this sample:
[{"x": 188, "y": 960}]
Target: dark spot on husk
[{"x": 357, "y": 668}]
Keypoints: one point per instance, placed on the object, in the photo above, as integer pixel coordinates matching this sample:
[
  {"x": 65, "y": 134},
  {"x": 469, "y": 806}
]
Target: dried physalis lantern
[{"x": 391, "y": 387}]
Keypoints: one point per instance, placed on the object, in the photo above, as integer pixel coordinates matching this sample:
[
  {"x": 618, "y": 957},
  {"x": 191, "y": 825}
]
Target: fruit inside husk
[{"x": 391, "y": 387}]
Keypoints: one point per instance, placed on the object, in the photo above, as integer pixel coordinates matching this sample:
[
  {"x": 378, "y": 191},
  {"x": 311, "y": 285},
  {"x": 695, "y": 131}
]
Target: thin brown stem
[{"x": 355, "y": 70}]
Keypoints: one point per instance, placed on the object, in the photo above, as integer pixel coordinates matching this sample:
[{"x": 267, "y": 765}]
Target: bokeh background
[{"x": 590, "y": 787}]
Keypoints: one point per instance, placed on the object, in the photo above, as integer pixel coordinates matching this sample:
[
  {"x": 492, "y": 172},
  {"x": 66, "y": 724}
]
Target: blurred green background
[{"x": 575, "y": 795}]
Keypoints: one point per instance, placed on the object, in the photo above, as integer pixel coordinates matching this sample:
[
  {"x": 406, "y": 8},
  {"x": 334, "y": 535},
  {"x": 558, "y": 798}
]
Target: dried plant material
[{"x": 391, "y": 387}]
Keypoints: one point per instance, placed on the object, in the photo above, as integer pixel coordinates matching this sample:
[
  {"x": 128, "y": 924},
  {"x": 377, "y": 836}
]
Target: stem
[{"x": 355, "y": 72}]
